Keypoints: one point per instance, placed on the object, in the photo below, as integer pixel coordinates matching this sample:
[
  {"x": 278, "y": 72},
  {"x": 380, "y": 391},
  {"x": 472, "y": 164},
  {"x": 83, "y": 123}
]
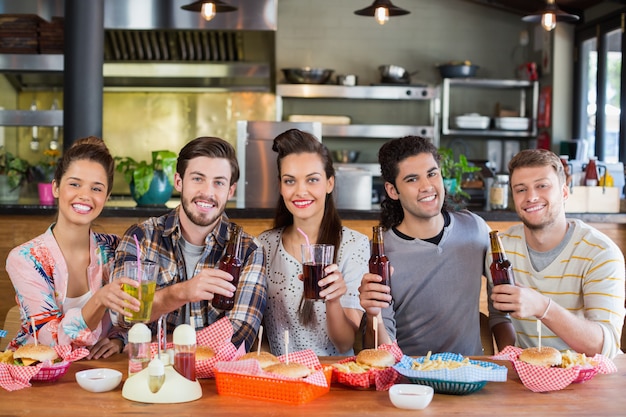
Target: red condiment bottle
[
  {"x": 185, "y": 351},
  {"x": 230, "y": 263},
  {"x": 379, "y": 263},
  {"x": 591, "y": 173}
]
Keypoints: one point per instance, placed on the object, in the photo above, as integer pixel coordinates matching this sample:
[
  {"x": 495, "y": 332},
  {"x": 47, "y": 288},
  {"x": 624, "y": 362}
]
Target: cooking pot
[
  {"x": 345, "y": 155},
  {"x": 394, "y": 74},
  {"x": 307, "y": 75}
]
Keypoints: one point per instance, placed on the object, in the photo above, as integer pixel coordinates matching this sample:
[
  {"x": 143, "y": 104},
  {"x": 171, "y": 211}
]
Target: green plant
[
  {"x": 452, "y": 169},
  {"x": 43, "y": 171},
  {"x": 140, "y": 173},
  {"x": 15, "y": 168}
]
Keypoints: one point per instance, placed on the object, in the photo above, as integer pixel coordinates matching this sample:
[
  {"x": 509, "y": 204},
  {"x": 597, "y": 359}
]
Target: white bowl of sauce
[
  {"x": 99, "y": 379},
  {"x": 411, "y": 396}
]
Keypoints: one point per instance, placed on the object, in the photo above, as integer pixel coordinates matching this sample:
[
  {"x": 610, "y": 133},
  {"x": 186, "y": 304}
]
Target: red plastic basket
[
  {"x": 51, "y": 373},
  {"x": 262, "y": 388}
]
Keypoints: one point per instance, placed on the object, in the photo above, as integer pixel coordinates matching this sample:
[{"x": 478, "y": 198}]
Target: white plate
[{"x": 472, "y": 121}]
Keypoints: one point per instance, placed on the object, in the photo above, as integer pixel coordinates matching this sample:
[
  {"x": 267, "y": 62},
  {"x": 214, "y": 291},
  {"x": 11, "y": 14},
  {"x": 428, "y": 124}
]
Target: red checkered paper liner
[
  {"x": 252, "y": 367},
  {"x": 382, "y": 379},
  {"x": 15, "y": 377},
  {"x": 542, "y": 379},
  {"x": 218, "y": 337}
]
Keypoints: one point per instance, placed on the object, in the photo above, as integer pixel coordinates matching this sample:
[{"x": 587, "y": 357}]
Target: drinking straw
[
  {"x": 32, "y": 325},
  {"x": 308, "y": 244},
  {"x": 138, "y": 266},
  {"x": 375, "y": 332},
  {"x": 260, "y": 337},
  {"x": 287, "y": 346}
]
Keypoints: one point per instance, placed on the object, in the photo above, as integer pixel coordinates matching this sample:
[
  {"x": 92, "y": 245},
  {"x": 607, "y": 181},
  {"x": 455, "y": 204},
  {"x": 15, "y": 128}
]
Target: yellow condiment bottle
[{"x": 606, "y": 180}]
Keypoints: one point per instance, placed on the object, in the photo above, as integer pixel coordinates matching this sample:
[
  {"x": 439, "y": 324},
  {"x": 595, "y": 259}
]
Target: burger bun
[
  {"x": 204, "y": 353},
  {"x": 32, "y": 354},
  {"x": 375, "y": 358},
  {"x": 265, "y": 358},
  {"x": 546, "y": 356},
  {"x": 291, "y": 370}
]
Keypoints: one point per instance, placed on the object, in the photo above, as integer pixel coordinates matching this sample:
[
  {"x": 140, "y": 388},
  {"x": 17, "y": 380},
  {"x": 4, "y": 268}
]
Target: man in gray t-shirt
[{"x": 437, "y": 257}]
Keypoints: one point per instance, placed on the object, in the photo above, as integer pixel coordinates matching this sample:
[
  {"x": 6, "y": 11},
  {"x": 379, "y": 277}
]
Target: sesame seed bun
[
  {"x": 265, "y": 358},
  {"x": 30, "y": 354},
  {"x": 204, "y": 352},
  {"x": 291, "y": 369},
  {"x": 546, "y": 356},
  {"x": 375, "y": 358}
]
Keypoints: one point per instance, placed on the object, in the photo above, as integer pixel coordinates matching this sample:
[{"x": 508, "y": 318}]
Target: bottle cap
[
  {"x": 184, "y": 334},
  {"x": 139, "y": 333},
  {"x": 156, "y": 367}
]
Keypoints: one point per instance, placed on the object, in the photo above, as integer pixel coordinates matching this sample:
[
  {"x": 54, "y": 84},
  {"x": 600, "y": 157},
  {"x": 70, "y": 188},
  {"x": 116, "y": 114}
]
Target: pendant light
[
  {"x": 382, "y": 10},
  {"x": 209, "y": 8},
  {"x": 549, "y": 15}
]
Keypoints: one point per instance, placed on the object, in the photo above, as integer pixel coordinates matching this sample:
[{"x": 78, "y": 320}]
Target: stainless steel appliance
[
  {"x": 353, "y": 187},
  {"x": 258, "y": 181}
]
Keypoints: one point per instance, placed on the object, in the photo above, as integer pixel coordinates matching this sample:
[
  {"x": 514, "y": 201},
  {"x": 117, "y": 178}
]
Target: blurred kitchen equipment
[
  {"x": 575, "y": 148},
  {"x": 512, "y": 123},
  {"x": 353, "y": 188},
  {"x": 472, "y": 121},
  {"x": 345, "y": 155},
  {"x": 347, "y": 79},
  {"x": 394, "y": 74},
  {"x": 307, "y": 75},
  {"x": 458, "y": 70},
  {"x": 34, "y": 142},
  {"x": 54, "y": 142},
  {"x": 322, "y": 118}
]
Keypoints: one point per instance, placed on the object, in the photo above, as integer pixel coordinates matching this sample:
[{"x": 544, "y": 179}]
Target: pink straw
[{"x": 308, "y": 243}]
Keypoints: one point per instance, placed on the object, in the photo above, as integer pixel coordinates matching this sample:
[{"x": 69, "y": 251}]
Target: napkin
[
  {"x": 218, "y": 337},
  {"x": 15, "y": 377},
  {"x": 542, "y": 379},
  {"x": 382, "y": 379}
]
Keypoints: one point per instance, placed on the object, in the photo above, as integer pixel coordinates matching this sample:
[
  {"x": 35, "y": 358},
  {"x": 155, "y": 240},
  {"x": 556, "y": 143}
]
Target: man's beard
[{"x": 200, "y": 220}]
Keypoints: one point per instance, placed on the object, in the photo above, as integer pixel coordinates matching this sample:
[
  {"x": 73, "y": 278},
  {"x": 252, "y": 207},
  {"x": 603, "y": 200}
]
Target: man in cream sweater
[{"x": 568, "y": 275}]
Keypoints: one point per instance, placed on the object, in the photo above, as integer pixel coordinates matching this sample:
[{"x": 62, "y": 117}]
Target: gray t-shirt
[{"x": 436, "y": 288}]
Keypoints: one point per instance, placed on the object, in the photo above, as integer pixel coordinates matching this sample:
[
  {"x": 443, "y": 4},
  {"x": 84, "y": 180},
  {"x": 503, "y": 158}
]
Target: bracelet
[{"x": 545, "y": 313}]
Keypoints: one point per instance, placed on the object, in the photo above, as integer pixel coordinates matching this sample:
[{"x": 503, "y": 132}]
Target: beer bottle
[
  {"x": 501, "y": 269},
  {"x": 231, "y": 263},
  {"x": 379, "y": 263}
]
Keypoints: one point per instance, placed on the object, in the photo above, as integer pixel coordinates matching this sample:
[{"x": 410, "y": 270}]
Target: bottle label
[{"x": 591, "y": 183}]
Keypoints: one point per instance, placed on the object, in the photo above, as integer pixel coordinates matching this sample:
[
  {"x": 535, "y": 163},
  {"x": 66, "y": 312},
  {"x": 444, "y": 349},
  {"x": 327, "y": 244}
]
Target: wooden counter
[{"x": 602, "y": 396}]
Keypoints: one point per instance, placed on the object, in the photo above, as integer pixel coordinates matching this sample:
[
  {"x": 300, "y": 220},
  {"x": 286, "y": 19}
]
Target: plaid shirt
[{"x": 160, "y": 237}]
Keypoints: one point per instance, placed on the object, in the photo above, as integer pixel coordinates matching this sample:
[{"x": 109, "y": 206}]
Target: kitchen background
[{"x": 327, "y": 34}]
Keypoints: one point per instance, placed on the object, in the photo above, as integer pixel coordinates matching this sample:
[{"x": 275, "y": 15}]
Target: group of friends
[{"x": 69, "y": 280}]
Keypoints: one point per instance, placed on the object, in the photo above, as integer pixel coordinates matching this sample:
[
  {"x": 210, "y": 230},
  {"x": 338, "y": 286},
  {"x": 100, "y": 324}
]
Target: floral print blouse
[{"x": 39, "y": 275}]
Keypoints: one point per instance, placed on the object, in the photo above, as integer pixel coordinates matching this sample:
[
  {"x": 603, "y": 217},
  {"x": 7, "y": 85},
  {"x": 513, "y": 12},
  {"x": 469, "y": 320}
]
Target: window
[{"x": 599, "y": 87}]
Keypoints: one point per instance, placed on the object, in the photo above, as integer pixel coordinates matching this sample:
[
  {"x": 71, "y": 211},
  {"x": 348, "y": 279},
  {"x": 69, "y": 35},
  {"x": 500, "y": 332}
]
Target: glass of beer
[
  {"x": 147, "y": 275},
  {"x": 315, "y": 258}
]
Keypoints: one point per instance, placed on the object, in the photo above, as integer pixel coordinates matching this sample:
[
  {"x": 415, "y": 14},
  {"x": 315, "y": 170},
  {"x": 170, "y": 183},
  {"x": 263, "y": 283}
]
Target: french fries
[
  {"x": 570, "y": 359},
  {"x": 437, "y": 364},
  {"x": 351, "y": 367},
  {"x": 6, "y": 356}
]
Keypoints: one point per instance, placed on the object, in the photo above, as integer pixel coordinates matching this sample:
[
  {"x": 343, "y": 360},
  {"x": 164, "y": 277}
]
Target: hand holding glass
[
  {"x": 145, "y": 292},
  {"x": 315, "y": 258}
]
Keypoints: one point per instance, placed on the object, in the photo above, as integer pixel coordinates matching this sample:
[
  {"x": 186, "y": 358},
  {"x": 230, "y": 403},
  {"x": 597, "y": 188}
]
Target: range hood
[{"x": 155, "y": 45}]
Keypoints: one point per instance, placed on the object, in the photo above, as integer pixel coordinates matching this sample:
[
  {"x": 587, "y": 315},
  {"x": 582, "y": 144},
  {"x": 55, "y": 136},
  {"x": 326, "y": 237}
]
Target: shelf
[
  {"x": 31, "y": 62},
  {"x": 376, "y": 131},
  {"x": 489, "y": 83},
  {"x": 31, "y": 118},
  {"x": 386, "y": 92},
  {"x": 491, "y": 133}
]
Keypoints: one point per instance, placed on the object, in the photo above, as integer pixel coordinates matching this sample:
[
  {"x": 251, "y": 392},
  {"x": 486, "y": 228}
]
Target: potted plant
[
  {"x": 452, "y": 172},
  {"x": 43, "y": 174},
  {"x": 151, "y": 184},
  {"x": 13, "y": 173}
]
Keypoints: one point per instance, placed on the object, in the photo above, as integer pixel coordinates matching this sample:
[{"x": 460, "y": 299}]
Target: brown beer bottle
[
  {"x": 231, "y": 263},
  {"x": 501, "y": 269},
  {"x": 379, "y": 263}
]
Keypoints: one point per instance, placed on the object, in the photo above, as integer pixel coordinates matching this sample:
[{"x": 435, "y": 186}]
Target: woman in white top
[{"x": 307, "y": 178}]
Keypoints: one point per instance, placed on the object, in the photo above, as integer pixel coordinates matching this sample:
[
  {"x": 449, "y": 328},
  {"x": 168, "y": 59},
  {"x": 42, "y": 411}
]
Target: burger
[
  {"x": 204, "y": 352},
  {"x": 265, "y": 358},
  {"x": 545, "y": 356},
  {"x": 33, "y": 354},
  {"x": 291, "y": 370},
  {"x": 375, "y": 358}
]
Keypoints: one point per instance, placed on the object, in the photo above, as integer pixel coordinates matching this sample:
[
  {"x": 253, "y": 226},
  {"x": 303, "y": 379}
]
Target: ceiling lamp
[
  {"x": 550, "y": 15},
  {"x": 209, "y": 8},
  {"x": 381, "y": 10}
]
